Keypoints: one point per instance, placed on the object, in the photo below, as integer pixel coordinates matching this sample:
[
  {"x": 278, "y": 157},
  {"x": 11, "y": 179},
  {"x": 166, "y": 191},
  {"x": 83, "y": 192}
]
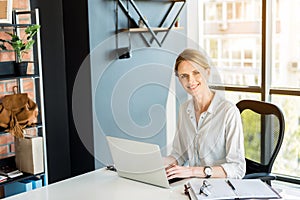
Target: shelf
[
  {"x": 37, "y": 125},
  {"x": 144, "y": 30},
  {"x": 21, "y": 178},
  {"x": 17, "y": 25},
  {"x": 12, "y": 76},
  {"x": 10, "y": 162},
  {"x": 2, "y": 25},
  {"x": 7, "y": 72},
  {"x": 167, "y": 19}
]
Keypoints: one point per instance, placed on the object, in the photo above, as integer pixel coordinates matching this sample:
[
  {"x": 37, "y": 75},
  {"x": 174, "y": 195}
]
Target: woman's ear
[
  {"x": 207, "y": 75},
  {"x": 207, "y": 72}
]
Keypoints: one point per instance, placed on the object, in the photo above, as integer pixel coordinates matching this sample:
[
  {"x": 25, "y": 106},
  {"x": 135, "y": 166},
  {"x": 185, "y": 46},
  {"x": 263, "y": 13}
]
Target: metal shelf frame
[
  {"x": 37, "y": 76},
  {"x": 150, "y": 29}
]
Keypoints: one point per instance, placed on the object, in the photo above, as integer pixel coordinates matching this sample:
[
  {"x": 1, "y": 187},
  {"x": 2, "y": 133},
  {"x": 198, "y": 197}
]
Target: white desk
[{"x": 101, "y": 184}]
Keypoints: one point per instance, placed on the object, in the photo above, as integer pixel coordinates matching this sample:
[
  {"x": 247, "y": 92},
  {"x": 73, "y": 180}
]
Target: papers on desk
[{"x": 234, "y": 189}]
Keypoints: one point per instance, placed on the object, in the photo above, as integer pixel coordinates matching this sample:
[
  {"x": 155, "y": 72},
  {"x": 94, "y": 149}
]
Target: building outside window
[{"x": 255, "y": 46}]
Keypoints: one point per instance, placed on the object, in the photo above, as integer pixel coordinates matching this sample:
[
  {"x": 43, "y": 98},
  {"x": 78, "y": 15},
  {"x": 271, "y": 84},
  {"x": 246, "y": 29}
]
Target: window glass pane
[
  {"x": 236, "y": 54},
  {"x": 226, "y": 54},
  {"x": 248, "y": 54},
  {"x": 213, "y": 48},
  {"x": 210, "y": 11},
  {"x": 288, "y": 160},
  {"x": 252, "y": 141},
  {"x": 229, "y": 11},
  {"x": 219, "y": 11},
  {"x": 286, "y": 44},
  {"x": 234, "y": 40},
  {"x": 239, "y": 10}
]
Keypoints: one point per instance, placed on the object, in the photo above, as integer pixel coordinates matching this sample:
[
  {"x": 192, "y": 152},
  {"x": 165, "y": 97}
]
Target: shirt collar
[{"x": 214, "y": 103}]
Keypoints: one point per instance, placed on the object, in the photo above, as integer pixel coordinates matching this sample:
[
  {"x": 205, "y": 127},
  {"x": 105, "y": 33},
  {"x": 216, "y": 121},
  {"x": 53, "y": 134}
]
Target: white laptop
[{"x": 138, "y": 161}]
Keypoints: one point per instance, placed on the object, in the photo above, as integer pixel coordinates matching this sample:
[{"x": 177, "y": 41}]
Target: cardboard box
[{"x": 30, "y": 154}]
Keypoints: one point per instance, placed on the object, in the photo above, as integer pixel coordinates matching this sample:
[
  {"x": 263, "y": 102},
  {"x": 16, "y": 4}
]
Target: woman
[{"x": 209, "y": 135}]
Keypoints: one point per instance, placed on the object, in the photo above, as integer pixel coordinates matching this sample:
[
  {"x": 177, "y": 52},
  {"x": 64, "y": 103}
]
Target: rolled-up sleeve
[
  {"x": 179, "y": 150},
  {"x": 235, "y": 165},
  {"x": 178, "y": 153}
]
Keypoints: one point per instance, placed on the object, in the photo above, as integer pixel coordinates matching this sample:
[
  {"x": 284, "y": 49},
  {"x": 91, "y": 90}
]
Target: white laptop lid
[{"x": 138, "y": 161}]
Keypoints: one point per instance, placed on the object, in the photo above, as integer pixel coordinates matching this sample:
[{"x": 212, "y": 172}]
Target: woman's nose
[{"x": 191, "y": 78}]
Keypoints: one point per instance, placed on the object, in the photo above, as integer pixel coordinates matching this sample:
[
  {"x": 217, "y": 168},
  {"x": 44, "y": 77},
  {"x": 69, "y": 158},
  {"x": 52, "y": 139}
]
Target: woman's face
[{"x": 192, "y": 78}]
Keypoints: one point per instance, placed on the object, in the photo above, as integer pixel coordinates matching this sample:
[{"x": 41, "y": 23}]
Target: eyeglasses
[{"x": 204, "y": 188}]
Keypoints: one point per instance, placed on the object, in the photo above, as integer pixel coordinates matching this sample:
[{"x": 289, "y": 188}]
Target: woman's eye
[
  {"x": 183, "y": 76},
  {"x": 196, "y": 73}
]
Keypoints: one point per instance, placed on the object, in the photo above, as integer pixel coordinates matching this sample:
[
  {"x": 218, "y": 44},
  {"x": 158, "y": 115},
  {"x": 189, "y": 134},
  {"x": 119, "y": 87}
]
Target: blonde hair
[{"x": 193, "y": 55}]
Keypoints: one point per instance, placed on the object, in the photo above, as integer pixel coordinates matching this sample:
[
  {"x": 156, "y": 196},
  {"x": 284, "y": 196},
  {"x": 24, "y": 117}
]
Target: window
[{"x": 255, "y": 46}]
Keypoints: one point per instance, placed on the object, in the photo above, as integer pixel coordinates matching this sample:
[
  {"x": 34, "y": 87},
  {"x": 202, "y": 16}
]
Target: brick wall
[{"x": 7, "y": 148}]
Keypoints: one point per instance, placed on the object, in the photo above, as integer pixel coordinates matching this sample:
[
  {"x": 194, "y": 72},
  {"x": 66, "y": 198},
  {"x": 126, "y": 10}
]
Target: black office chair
[{"x": 263, "y": 125}]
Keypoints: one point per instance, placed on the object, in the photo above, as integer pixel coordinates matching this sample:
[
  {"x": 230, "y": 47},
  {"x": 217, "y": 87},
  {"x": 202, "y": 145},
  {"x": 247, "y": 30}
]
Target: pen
[
  {"x": 186, "y": 191},
  {"x": 230, "y": 184}
]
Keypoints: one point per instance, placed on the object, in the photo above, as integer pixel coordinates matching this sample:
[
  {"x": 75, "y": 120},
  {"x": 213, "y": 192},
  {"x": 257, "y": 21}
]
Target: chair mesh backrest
[{"x": 261, "y": 135}]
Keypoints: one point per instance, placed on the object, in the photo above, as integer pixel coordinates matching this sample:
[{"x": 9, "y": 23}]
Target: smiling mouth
[{"x": 193, "y": 87}]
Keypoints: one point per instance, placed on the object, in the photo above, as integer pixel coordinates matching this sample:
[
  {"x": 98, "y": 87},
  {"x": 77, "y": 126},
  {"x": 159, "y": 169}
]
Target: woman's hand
[
  {"x": 175, "y": 171},
  {"x": 169, "y": 161}
]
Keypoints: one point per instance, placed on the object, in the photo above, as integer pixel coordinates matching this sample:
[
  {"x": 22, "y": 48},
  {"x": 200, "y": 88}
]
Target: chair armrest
[{"x": 266, "y": 177}]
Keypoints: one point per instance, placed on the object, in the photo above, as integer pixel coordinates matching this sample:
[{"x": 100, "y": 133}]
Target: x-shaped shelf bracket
[{"x": 151, "y": 30}]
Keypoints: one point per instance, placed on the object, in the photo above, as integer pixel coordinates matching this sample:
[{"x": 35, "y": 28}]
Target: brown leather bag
[{"x": 16, "y": 112}]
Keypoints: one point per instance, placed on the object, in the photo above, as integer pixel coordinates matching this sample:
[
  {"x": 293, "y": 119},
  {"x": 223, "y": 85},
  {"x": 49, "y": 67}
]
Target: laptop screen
[{"x": 138, "y": 161}]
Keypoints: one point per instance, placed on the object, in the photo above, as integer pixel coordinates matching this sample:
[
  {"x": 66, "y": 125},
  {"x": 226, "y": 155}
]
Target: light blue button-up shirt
[{"x": 216, "y": 140}]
